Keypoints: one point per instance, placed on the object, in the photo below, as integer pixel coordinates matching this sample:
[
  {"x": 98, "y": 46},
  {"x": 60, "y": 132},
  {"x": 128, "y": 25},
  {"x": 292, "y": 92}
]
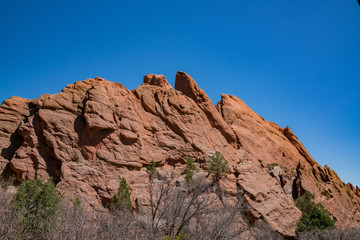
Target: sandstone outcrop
[
  {"x": 157, "y": 80},
  {"x": 13, "y": 112},
  {"x": 185, "y": 84},
  {"x": 95, "y": 132},
  {"x": 273, "y": 145}
]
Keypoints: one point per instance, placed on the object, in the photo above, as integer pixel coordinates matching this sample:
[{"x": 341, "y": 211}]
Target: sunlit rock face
[{"x": 94, "y": 132}]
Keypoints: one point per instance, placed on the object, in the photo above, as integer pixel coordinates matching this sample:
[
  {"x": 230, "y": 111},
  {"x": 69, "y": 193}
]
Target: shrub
[
  {"x": 152, "y": 170},
  {"x": 314, "y": 215},
  {"x": 38, "y": 205},
  {"x": 272, "y": 165},
  {"x": 189, "y": 176},
  {"x": 171, "y": 213},
  {"x": 330, "y": 234},
  {"x": 121, "y": 200},
  {"x": 5, "y": 183},
  {"x": 9, "y": 220},
  {"x": 218, "y": 165},
  {"x": 190, "y": 169}
]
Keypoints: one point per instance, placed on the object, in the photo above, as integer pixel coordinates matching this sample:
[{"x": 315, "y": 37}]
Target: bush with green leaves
[
  {"x": 38, "y": 205},
  {"x": 314, "y": 215},
  {"x": 190, "y": 169},
  {"x": 218, "y": 165},
  {"x": 121, "y": 200},
  {"x": 152, "y": 170}
]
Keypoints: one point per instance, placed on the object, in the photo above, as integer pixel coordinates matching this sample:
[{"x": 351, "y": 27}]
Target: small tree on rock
[
  {"x": 190, "y": 169},
  {"x": 121, "y": 200},
  {"x": 218, "y": 165},
  {"x": 152, "y": 170}
]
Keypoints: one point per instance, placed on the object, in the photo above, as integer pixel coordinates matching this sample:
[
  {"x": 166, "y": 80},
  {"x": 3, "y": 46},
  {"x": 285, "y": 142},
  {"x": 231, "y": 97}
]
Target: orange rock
[
  {"x": 13, "y": 112},
  {"x": 157, "y": 80},
  {"x": 185, "y": 84},
  {"x": 94, "y": 132}
]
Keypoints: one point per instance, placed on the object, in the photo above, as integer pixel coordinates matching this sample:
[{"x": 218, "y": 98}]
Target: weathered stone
[
  {"x": 156, "y": 80},
  {"x": 185, "y": 84},
  {"x": 95, "y": 132},
  {"x": 271, "y": 144},
  {"x": 13, "y": 112}
]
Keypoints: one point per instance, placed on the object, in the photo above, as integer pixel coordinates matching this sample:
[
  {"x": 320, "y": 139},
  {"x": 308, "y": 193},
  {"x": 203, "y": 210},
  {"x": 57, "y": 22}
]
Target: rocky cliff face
[{"x": 95, "y": 132}]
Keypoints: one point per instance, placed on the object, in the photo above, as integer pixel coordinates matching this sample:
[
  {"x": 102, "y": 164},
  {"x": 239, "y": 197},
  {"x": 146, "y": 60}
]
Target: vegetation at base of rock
[
  {"x": 189, "y": 176},
  {"x": 165, "y": 218},
  {"x": 218, "y": 165},
  {"x": 314, "y": 216},
  {"x": 190, "y": 169},
  {"x": 330, "y": 234},
  {"x": 152, "y": 170},
  {"x": 121, "y": 200},
  {"x": 172, "y": 212},
  {"x": 5, "y": 183},
  {"x": 110, "y": 130},
  {"x": 190, "y": 164},
  {"x": 38, "y": 205}
]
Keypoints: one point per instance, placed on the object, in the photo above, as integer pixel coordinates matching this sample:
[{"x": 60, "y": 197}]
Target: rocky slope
[{"x": 95, "y": 131}]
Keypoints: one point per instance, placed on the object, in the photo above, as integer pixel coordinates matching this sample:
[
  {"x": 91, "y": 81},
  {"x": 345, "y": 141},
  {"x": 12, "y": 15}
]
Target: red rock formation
[
  {"x": 185, "y": 84},
  {"x": 272, "y": 144},
  {"x": 157, "y": 80},
  {"x": 95, "y": 132},
  {"x": 12, "y": 113}
]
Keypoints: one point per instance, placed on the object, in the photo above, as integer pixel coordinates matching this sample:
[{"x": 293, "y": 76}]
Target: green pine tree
[
  {"x": 38, "y": 205},
  {"x": 152, "y": 170},
  {"x": 314, "y": 215},
  {"x": 190, "y": 169},
  {"x": 218, "y": 165},
  {"x": 121, "y": 200}
]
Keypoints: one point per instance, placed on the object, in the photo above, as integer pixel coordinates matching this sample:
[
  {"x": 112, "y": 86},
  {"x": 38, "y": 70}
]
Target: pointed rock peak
[
  {"x": 187, "y": 85},
  {"x": 156, "y": 80},
  {"x": 300, "y": 147},
  {"x": 288, "y": 133},
  {"x": 227, "y": 98}
]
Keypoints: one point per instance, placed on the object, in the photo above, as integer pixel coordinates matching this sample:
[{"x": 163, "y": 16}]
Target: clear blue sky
[{"x": 296, "y": 63}]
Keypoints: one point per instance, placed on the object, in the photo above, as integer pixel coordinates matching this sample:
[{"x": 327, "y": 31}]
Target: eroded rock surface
[
  {"x": 95, "y": 132},
  {"x": 13, "y": 112}
]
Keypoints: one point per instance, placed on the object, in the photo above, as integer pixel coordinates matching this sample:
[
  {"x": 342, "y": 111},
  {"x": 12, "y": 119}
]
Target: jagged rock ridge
[{"x": 95, "y": 131}]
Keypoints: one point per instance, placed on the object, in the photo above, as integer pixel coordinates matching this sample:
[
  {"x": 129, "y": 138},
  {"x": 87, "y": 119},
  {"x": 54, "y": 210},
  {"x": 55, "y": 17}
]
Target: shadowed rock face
[{"x": 95, "y": 132}]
